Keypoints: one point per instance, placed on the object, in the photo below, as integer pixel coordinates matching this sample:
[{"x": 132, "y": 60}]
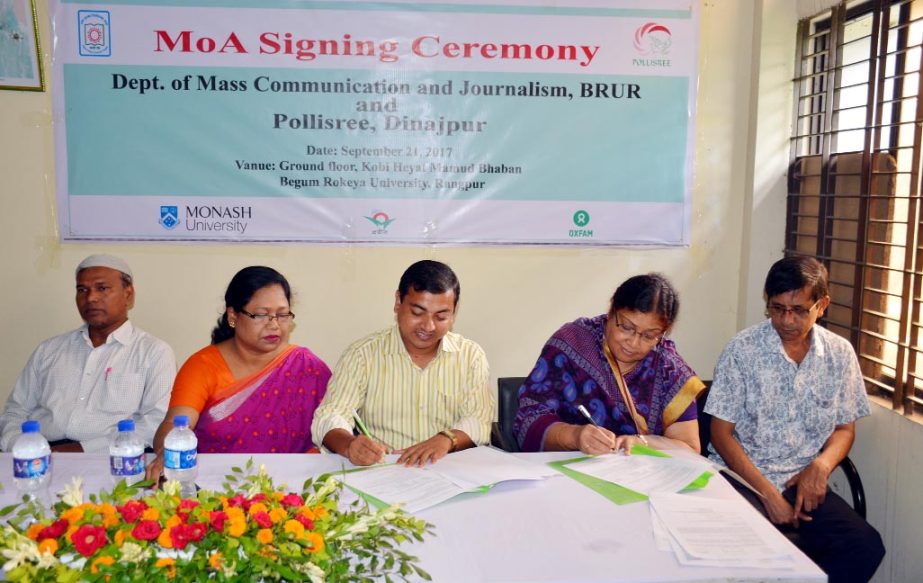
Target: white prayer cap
[{"x": 104, "y": 260}]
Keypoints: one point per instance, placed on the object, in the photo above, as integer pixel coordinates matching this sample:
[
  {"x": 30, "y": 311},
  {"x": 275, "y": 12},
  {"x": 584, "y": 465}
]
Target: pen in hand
[
  {"x": 364, "y": 431},
  {"x": 589, "y": 417}
]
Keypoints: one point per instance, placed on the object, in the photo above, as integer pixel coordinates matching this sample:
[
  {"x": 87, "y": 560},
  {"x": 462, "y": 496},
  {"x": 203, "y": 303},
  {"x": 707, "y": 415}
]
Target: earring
[{"x": 232, "y": 324}]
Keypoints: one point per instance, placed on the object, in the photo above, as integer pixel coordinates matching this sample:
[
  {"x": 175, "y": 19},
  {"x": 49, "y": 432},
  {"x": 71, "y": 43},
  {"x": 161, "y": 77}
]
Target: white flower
[
  {"x": 73, "y": 492},
  {"x": 134, "y": 553},
  {"x": 315, "y": 574},
  {"x": 21, "y": 550},
  {"x": 171, "y": 488}
]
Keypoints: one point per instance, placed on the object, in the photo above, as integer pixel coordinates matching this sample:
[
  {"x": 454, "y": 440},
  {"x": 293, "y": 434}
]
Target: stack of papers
[
  {"x": 717, "y": 533},
  {"x": 627, "y": 479},
  {"x": 419, "y": 488}
]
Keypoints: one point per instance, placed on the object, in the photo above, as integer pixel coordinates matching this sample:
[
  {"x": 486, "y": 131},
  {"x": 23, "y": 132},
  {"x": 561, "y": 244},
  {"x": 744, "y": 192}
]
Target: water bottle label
[
  {"x": 126, "y": 465},
  {"x": 31, "y": 468},
  {"x": 179, "y": 460}
]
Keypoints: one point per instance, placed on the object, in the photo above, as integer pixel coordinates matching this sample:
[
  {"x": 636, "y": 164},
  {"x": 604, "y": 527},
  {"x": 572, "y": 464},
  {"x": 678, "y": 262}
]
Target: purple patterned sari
[
  {"x": 269, "y": 412},
  {"x": 572, "y": 370}
]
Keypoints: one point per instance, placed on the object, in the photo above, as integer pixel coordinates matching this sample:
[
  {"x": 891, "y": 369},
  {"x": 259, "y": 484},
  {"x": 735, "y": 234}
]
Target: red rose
[
  {"x": 132, "y": 510},
  {"x": 184, "y": 516},
  {"x": 188, "y": 504},
  {"x": 180, "y": 536},
  {"x": 88, "y": 539},
  {"x": 146, "y": 530},
  {"x": 53, "y": 530},
  {"x": 238, "y": 500},
  {"x": 292, "y": 500},
  {"x": 307, "y": 522},
  {"x": 196, "y": 531},
  {"x": 263, "y": 519},
  {"x": 217, "y": 518}
]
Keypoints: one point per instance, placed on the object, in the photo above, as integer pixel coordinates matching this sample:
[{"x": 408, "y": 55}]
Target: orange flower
[
  {"x": 48, "y": 546},
  {"x": 308, "y": 513},
  {"x": 74, "y": 513},
  {"x": 277, "y": 515},
  {"x": 94, "y": 568},
  {"x": 150, "y": 514},
  {"x": 235, "y": 513},
  {"x": 237, "y": 527},
  {"x": 316, "y": 541},
  {"x": 320, "y": 511},
  {"x": 215, "y": 561},
  {"x": 258, "y": 507},
  {"x": 294, "y": 527},
  {"x": 264, "y": 536},
  {"x": 34, "y": 529},
  {"x": 164, "y": 539},
  {"x": 278, "y": 495},
  {"x": 70, "y": 531},
  {"x": 224, "y": 502},
  {"x": 173, "y": 521},
  {"x": 168, "y": 564},
  {"x": 120, "y": 536}
]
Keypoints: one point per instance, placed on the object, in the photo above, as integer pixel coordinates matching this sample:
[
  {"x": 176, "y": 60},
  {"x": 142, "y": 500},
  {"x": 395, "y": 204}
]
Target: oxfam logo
[{"x": 581, "y": 218}]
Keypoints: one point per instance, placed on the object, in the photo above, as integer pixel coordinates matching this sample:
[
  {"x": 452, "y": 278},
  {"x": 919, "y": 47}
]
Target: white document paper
[
  {"x": 642, "y": 473},
  {"x": 708, "y": 529},
  {"x": 414, "y": 488},
  {"x": 485, "y": 466}
]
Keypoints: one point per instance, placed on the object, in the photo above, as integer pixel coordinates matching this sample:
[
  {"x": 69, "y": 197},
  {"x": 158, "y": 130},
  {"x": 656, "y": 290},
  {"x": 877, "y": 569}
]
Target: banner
[{"x": 516, "y": 121}]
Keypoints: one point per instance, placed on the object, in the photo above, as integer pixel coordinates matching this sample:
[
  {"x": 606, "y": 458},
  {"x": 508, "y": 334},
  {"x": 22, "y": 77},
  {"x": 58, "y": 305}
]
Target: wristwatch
[{"x": 451, "y": 435}]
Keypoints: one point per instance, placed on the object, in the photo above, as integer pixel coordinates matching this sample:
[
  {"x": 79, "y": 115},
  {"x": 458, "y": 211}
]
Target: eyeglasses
[
  {"x": 780, "y": 311},
  {"x": 266, "y": 318},
  {"x": 630, "y": 331}
]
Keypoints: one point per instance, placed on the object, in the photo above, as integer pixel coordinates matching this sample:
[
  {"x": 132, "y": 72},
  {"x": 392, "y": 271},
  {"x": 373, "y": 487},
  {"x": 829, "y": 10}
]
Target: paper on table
[
  {"x": 414, "y": 488},
  {"x": 710, "y": 529},
  {"x": 644, "y": 474},
  {"x": 481, "y": 466}
]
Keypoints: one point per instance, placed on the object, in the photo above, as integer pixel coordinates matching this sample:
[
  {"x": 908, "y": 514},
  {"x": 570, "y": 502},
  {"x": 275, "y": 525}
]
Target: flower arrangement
[{"x": 250, "y": 531}]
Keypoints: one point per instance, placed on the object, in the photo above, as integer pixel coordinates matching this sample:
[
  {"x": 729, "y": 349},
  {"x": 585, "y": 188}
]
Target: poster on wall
[{"x": 399, "y": 122}]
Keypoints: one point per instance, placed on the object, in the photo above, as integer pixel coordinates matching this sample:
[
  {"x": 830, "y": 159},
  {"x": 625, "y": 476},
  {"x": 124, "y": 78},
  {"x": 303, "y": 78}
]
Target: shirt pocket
[{"x": 119, "y": 394}]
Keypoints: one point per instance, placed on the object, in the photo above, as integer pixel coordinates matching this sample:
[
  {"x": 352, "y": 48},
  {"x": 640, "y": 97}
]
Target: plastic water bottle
[
  {"x": 126, "y": 454},
  {"x": 32, "y": 462},
  {"x": 179, "y": 456}
]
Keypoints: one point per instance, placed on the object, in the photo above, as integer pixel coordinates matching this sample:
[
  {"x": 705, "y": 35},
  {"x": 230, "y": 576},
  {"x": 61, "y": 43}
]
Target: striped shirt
[{"x": 402, "y": 404}]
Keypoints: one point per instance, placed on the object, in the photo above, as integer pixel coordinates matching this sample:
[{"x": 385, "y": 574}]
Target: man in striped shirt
[{"x": 421, "y": 389}]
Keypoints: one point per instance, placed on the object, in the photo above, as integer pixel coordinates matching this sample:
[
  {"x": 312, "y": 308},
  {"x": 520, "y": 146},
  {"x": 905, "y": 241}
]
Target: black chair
[
  {"x": 501, "y": 432},
  {"x": 846, "y": 466}
]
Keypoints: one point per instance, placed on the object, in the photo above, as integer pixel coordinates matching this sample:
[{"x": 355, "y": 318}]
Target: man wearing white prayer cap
[{"x": 80, "y": 384}]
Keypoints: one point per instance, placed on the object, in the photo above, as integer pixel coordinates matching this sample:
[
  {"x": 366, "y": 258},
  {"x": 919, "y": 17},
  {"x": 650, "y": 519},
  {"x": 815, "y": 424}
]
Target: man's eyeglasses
[
  {"x": 630, "y": 331},
  {"x": 266, "y": 318},
  {"x": 780, "y": 311}
]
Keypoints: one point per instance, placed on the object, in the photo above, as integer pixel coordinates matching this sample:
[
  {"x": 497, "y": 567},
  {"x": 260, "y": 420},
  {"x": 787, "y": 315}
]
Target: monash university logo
[
  {"x": 169, "y": 216},
  {"x": 653, "y": 40},
  {"x": 381, "y": 220},
  {"x": 93, "y": 33}
]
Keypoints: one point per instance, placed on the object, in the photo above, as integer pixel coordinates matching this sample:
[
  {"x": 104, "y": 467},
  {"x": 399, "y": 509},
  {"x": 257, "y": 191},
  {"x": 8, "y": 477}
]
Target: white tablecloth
[{"x": 554, "y": 530}]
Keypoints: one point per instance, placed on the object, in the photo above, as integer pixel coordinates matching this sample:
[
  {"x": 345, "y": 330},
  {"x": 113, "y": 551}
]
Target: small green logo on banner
[
  {"x": 581, "y": 219},
  {"x": 380, "y": 220}
]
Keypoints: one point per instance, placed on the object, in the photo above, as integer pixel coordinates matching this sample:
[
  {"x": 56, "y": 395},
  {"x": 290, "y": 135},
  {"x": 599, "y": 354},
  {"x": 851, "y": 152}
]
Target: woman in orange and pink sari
[{"x": 250, "y": 391}]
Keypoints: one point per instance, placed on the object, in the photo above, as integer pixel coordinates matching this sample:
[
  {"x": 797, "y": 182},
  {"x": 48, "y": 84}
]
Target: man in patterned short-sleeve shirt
[{"x": 784, "y": 401}]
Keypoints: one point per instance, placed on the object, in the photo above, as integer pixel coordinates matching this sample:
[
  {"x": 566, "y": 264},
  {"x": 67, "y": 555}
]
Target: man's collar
[
  {"x": 395, "y": 345},
  {"x": 123, "y": 334}
]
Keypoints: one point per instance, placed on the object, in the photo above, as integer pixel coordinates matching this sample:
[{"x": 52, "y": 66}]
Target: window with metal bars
[{"x": 854, "y": 182}]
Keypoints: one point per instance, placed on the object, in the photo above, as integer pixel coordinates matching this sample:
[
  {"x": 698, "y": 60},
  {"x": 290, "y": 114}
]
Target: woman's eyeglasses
[
  {"x": 266, "y": 318},
  {"x": 630, "y": 331}
]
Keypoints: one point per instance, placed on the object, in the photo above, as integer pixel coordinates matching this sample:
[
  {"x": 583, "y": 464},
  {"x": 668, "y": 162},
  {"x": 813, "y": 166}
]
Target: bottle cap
[
  {"x": 30, "y": 426},
  {"x": 127, "y": 425},
  {"x": 181, "y": 421}
]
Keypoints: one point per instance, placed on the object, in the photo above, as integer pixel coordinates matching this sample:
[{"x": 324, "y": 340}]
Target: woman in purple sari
[
  {"x": 620, "y": 370},
  {"x": 250, "y": 391}
]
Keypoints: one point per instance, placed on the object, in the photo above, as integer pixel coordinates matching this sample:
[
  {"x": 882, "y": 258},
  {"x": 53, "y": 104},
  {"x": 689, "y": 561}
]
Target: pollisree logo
[
  {"x": 653, "y": 41},
  {"x": 207, "y": 218},
  {"x": 381, "y": 220},
  {"x": 94, "y": 33},
  {"x": 581, "y": 219}
]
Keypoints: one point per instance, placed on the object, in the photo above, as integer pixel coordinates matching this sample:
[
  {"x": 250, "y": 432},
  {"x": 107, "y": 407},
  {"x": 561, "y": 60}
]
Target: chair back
[
  {"x": 507, "y": 407},
  {"x": 704, "y": 418}
]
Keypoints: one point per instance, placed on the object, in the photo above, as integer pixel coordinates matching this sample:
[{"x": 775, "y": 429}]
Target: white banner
[{"x": 398, "y": 122}]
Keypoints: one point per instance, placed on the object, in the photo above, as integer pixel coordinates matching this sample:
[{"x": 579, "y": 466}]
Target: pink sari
[{"x": 268, "y": 412}]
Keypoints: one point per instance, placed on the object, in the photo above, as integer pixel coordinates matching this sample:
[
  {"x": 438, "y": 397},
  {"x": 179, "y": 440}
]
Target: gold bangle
[{"x": 451, "y": 435}]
